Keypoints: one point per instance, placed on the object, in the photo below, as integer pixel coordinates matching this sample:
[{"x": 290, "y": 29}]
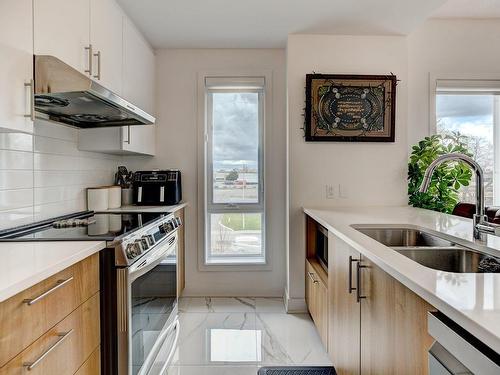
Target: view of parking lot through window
[{"x": 236, "y": 221}]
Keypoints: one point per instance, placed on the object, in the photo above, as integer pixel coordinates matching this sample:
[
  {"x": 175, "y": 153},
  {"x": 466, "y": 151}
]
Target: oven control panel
[{"x": 133, "y": 247}]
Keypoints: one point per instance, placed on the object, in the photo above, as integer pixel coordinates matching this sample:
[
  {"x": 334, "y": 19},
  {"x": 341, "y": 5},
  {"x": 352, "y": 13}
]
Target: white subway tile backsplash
[
  {"x": 50, "y": 210},
  {"x": 18, "y": 179},
  {"x": 12, "y": 199},
  {"x": 45, "y": 175},
  {"x": 16, "y": 142},
  {"x": 16, "y": 159},
  {"x": 51, "y": 130},
  {"x": 59, "y": 193},
  {"x": 16, "y": 217},
  {"x": 47, "y": 162},
  {"x": 55, "y": 146}
]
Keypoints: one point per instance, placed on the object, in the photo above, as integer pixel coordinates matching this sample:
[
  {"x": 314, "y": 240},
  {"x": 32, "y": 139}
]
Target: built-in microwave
[{"x": 322, "y": 245}]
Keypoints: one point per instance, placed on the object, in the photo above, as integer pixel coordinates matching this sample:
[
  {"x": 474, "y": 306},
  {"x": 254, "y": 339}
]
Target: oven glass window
[{"x": 153, "y": 299}]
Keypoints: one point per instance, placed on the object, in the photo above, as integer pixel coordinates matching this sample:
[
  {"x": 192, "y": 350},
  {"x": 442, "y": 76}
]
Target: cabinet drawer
[
  {"x": 64, "y": 348},
  {"x": 52, "y": 300},
  {"x": 92, "y": 365}
]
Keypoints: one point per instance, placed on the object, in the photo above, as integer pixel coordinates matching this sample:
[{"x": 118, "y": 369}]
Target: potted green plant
[{"x": 447, "y": 179}]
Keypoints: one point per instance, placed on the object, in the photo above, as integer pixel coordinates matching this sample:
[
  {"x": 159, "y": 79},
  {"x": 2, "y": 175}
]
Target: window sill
[
  {"x": 235, "y": 264},
  {"x": 236, "y": 261}
]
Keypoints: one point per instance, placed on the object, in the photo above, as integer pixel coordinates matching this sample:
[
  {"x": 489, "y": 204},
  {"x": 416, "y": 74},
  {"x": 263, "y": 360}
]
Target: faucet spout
[{"x": 479, "y": 217}]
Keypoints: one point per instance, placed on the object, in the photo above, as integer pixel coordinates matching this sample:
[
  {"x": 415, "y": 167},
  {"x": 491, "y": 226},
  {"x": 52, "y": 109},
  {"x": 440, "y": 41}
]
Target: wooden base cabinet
[
  {"x": 394, "y": 338},
  {"x": 344, "y": 319},
  {"x": 376, "y": 326},
  {"x": 54, "y": 326}
]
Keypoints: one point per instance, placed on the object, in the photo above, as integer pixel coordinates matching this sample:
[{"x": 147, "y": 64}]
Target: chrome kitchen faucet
[{"x": 480, "y": 221}]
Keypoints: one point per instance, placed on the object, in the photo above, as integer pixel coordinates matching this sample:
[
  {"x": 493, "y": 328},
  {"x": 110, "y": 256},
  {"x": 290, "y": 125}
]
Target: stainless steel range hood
[{"x": 63, "y": 94}]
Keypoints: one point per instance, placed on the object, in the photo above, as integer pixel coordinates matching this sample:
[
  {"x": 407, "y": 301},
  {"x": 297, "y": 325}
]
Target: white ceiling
[
  {"x": 266, "y": 23},
  {"x": 469, "y": 9}
]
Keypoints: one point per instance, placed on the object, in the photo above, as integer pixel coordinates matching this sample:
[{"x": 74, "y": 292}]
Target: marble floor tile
[
  {"x": 290, "y": 339},
  {"x": 217, "y": 304},
  {"x": 269, "y": 305},
  {"x": 213, "y": 370},
  {"x": 212, "y": 338}
]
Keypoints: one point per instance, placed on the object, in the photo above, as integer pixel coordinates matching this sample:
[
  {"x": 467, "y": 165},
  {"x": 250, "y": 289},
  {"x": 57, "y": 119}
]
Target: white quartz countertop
[
  {"x": 470, "y": 299},
  {"x": 25, "y": 264},
  {"x": 133, "y": 208}
]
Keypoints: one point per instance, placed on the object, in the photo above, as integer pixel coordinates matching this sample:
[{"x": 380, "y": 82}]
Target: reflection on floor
[{"x": 236, "y": 336}]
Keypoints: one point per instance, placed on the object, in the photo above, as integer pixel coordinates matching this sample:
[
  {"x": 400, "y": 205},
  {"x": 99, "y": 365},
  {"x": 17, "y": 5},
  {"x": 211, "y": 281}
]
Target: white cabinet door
[
  {"x": 62, "y": 29},
  {"x": 106, "y": 37},
  {"x": 16, "y": 64},
  {"x": 138, "y": 88}
]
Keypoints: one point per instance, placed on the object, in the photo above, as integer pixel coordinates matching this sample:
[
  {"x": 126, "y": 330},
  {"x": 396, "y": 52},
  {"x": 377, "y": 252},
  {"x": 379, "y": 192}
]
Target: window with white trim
[
  {"x": 234, "y": 171},
  {"x": 470, "y": 109}
]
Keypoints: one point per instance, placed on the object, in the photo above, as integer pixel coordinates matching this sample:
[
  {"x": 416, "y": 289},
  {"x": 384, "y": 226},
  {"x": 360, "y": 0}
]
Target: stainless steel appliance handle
[
  {"x": 62, "y": 337},
  {"x": 174, "y": 346},
  {"x": 91, "y": 56},
  {"x": 98, "y": 55},
  {"x": 350, "y": 288},
  {"x": 150, "y": 262},
  {"x": 59, "y": 284},
  {"x": 31, "y": 85},
  {"x": 155, "y": 350}
]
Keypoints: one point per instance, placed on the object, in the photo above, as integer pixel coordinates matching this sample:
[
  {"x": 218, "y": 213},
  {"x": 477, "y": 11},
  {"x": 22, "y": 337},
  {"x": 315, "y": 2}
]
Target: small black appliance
[{"x": 159, "y": 187}]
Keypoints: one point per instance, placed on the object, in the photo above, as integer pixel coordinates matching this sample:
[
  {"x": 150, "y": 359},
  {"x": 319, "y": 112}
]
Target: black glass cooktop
[{"x": 81, "y": 227}]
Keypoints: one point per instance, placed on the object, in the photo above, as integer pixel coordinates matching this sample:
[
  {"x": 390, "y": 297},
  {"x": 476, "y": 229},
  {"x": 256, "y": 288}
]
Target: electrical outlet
[{"x": 330, "y": 191}]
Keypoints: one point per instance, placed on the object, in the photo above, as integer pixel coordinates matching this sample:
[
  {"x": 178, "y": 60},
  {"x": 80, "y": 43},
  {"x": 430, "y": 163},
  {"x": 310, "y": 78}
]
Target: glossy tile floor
[{"x": 236, "y": 336}]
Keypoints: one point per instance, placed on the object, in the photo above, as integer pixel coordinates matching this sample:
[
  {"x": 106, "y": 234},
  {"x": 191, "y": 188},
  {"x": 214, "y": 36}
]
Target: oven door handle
[{"x": 149, "y": 262}]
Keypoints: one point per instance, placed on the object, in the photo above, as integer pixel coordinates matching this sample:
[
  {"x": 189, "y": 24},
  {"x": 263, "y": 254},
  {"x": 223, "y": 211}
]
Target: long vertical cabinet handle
[
  {"x": 31, "y": 85},
  {"x": 91, "y": 56},
  {"x": 351, "y": 261},
  {"x": 98, "y": 55},
  {"x": 128, "y": 135},
  {"x": 359, "y": 296}
]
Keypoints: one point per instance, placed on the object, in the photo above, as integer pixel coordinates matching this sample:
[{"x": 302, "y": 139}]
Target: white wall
[
  {"x": 369, "y": 173},
  {"x": 464, "y": 47},
  {"x": 177, "y": 120},
  {"x": 44, "y": 175}
]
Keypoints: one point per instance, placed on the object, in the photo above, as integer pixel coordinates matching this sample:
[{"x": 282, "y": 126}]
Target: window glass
[{"x": 235, "y": 214}]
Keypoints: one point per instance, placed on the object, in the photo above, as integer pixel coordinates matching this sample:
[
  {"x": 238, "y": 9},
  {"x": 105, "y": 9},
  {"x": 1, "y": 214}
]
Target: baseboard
[{"x": 294, "y": 305}]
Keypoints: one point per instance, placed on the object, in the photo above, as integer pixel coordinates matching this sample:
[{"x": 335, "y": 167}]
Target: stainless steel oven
[{"x": 140, "y": 323}]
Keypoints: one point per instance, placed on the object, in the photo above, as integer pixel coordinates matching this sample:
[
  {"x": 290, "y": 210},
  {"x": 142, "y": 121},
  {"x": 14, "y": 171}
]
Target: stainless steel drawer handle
[
  {"x": 62, "y": 336},
  {"x": 59, "y": 284},
  {"x": 311, "y": 276}
]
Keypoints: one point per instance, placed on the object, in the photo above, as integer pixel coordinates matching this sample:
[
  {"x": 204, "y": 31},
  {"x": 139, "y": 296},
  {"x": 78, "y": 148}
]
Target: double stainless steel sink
[{"x": 431, "y": 250}]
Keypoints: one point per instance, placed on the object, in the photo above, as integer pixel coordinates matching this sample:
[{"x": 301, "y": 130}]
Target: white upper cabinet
[
  {"x": 62, "y": 29},
  {"x": 97, "y": 38},
  {"x": 106, "y": 34},
  {"x": 138, "y": 88},
  {"x": 138, "y": 69},
  {"x": 16, "y": 65}
]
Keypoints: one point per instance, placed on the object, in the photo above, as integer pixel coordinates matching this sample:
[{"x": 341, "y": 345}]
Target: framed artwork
[{"x": 350, "y": 108}]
